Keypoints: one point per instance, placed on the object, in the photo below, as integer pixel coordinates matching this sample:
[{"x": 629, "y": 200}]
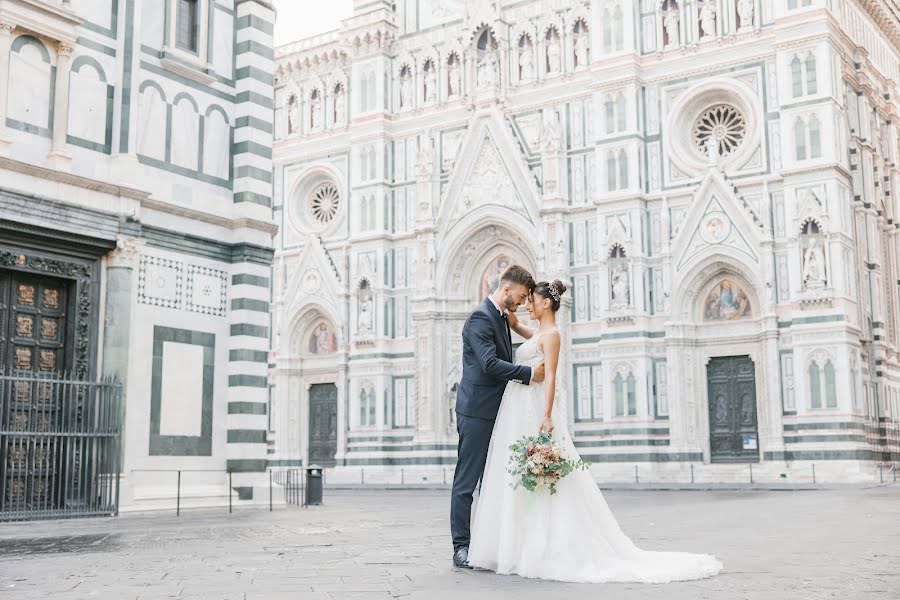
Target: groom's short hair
[{"x": 517, "y": 274}]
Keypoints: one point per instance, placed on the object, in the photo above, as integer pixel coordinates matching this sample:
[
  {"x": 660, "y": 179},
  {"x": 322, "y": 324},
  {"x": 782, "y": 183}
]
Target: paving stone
[{"x": 367, "y": 544}]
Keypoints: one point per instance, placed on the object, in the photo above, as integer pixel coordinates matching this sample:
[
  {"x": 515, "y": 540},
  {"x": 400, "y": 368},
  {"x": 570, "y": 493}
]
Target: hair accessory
[{"x": 553, "y": 291}]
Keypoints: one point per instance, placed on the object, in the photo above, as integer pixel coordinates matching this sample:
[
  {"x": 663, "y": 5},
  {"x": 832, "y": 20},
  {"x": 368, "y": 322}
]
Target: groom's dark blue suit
[{"x": 487, "y": 367}]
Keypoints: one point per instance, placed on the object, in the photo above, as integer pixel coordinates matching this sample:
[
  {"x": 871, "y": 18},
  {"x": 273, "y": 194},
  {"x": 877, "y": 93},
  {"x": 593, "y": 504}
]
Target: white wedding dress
[{"x": 570, "y": 536}]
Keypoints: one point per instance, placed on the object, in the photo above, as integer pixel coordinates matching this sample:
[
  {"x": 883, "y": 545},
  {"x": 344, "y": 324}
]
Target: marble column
[
  {"x": 58, "y": 155},
  {"x": 5, "y": 43},
  {"x": 117, "y": 318}
]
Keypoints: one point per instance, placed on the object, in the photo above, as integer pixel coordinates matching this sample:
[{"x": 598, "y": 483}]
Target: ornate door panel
[
  {"x": 322, "y": 424},
  {"x": 733, "y": 435},
  {"x": 33, "y": 310},
  {"x": 32, "y": 354}
]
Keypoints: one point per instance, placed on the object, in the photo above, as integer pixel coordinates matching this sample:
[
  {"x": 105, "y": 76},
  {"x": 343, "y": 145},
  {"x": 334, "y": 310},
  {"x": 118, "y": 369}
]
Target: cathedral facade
[{"x": 716, "y": 181}]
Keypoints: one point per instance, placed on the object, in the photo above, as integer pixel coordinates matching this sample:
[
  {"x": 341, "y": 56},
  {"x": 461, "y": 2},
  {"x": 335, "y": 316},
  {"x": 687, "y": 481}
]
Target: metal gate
[{"x": 59, "y": 446}]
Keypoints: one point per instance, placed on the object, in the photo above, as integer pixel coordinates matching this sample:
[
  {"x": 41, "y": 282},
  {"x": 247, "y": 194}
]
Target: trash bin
[{"x": 313, "y": 485}]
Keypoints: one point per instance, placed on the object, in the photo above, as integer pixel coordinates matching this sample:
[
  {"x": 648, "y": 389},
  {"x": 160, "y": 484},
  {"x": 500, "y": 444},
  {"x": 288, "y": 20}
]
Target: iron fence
[{"x": 59, "y": 446}]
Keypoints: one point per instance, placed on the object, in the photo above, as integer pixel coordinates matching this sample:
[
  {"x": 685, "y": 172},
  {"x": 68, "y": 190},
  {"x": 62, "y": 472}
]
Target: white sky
[{"x": 298, "y": 19}]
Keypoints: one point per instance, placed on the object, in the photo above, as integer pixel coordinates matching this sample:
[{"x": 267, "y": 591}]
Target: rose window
[
  {"x": 723, "y": 123},
  {"x": 324, "y": 203}
]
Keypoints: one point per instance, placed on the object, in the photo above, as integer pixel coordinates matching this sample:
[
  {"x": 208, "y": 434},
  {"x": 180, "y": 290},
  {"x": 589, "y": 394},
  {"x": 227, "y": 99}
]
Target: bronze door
[
  {"x": 32, "y": 354},
  {"x": 322, "y": 424},
  {"x": 733, "y": 435}
]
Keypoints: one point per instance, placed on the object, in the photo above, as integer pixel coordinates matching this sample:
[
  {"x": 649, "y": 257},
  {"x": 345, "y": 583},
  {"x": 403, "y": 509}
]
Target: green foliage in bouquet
[{"x": 538, "y": 461}]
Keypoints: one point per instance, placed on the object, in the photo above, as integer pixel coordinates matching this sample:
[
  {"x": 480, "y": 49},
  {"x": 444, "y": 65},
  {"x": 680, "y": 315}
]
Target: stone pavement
[{"x": 373, "y": 544}]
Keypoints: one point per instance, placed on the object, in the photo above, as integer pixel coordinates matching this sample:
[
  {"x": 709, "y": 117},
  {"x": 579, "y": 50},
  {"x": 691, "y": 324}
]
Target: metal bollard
[
  {"x": 692, "y": 473},
  {"x": 362, "y": 475},
  {"x": 751, "y": 472},
  {"x": 270, "y": 490},
  {"x": 814, "y": 473},
  {"x": 636, "y": 474},
  {"x": 401, "y": 477},
  {"x": 881, "y": 473},
  {"x": 230, "y": 490},
  {"x": 178, "y": 499}
]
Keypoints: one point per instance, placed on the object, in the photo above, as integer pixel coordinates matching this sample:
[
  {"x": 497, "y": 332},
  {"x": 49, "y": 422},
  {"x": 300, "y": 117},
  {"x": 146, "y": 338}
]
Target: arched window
[
  {"x": 623, "y": 170},
  {"x": 624, "y": 394},
  {"x": 618, "y": 28},
  {"x": 367, "y": 405},
  {"x": 815, "y": 138},
  {"x": 607, "y": 32},
  {"x": 811, "y": 83},
  {"x": 616, "y": 115},
  {"x": 617, "y": 170},
  {"x": 800, "y": 147},
  {"x": 611, "y": 172},
  {"x": 822, "y": 389},
  {"x": 804, "y": 80},
  {"x": 797, "y": 77}
]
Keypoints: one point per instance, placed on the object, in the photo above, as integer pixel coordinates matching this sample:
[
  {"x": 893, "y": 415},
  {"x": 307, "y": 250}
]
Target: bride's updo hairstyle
[{"x": 552, "y": 291}]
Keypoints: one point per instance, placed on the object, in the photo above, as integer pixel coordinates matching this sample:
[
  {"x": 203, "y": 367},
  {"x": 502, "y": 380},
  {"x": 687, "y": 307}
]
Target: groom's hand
[
  {"x": 512, "y": 319},
  {"x": 537, "y": 375}
]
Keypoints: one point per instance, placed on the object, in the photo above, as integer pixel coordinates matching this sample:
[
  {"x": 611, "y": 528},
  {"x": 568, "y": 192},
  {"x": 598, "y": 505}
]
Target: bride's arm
[
  {"x": 550, "y": 347},
  {"x": 515, "y": 325}
]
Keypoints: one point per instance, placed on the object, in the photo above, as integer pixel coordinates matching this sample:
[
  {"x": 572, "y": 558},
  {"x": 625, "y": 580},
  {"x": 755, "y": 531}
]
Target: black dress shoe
[{"x": 461, "y": 557}]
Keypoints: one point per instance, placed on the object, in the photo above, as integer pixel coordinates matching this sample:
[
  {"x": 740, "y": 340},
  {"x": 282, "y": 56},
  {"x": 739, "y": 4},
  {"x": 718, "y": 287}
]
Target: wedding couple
[{"x": 569, "y": 536}]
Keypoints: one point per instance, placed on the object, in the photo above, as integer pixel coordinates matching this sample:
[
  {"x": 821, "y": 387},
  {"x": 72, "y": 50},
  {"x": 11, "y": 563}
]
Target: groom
[{"x": 487, "y": 367}]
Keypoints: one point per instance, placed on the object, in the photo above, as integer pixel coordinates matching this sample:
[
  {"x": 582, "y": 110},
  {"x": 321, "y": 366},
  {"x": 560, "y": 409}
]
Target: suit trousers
[{"x": 474, "y": 441}]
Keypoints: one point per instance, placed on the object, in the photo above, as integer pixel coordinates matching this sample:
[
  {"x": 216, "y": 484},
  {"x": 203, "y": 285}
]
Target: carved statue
[
  {"x": 425, "y": 160},
  {"x": 406, "y": 89},
  {"x": 431, "y": 85},
  {"x": 814, "y": 265},
  {"x": 365, "y": 314},
  {"x": 745, "y": 12},
  {"x": 293, "y": 114},
  {"x": 582, "y": 47},
  {"x": 621, "y": 295},
  {"x": 340, "y": 106},
  {"x": 670, "y": 21},
  {"x": 487, "y": 70},
  {"x": 454, "y": 87},
  {"x": 315, "y": 110},
  {"x": 551, "y": 137},
  {"x": 708, "y": 18},
  {"x": 553, "y": 55},
  {"x": 526, "y": 64}
]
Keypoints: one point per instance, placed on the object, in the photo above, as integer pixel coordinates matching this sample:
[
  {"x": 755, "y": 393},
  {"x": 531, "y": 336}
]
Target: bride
[{"x": 572, "y": 535}]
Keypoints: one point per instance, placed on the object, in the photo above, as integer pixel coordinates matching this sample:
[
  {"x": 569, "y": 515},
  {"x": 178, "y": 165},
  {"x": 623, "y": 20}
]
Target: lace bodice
[{"x": 529, "y": 353}]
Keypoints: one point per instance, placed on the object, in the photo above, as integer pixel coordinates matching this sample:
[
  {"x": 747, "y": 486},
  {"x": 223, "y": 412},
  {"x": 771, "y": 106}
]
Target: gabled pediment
[
  {"x": 490, "y": 174},
  {"x": 314, "y": 277},
  {"x": 718, "y": 220}
]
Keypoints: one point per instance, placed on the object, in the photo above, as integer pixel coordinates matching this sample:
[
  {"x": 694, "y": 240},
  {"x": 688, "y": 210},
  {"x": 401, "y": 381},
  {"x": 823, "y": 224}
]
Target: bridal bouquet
[{"x": 538, "y": 461}]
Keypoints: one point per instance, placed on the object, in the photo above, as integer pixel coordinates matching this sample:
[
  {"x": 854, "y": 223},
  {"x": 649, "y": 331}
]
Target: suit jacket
[{"x": 487, "y": 363}]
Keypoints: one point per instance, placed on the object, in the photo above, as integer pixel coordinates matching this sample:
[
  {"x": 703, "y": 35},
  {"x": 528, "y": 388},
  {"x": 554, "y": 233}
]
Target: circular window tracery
[
  {"x": 324, "y": 202},
  {"x": 723, "y": 123}
]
